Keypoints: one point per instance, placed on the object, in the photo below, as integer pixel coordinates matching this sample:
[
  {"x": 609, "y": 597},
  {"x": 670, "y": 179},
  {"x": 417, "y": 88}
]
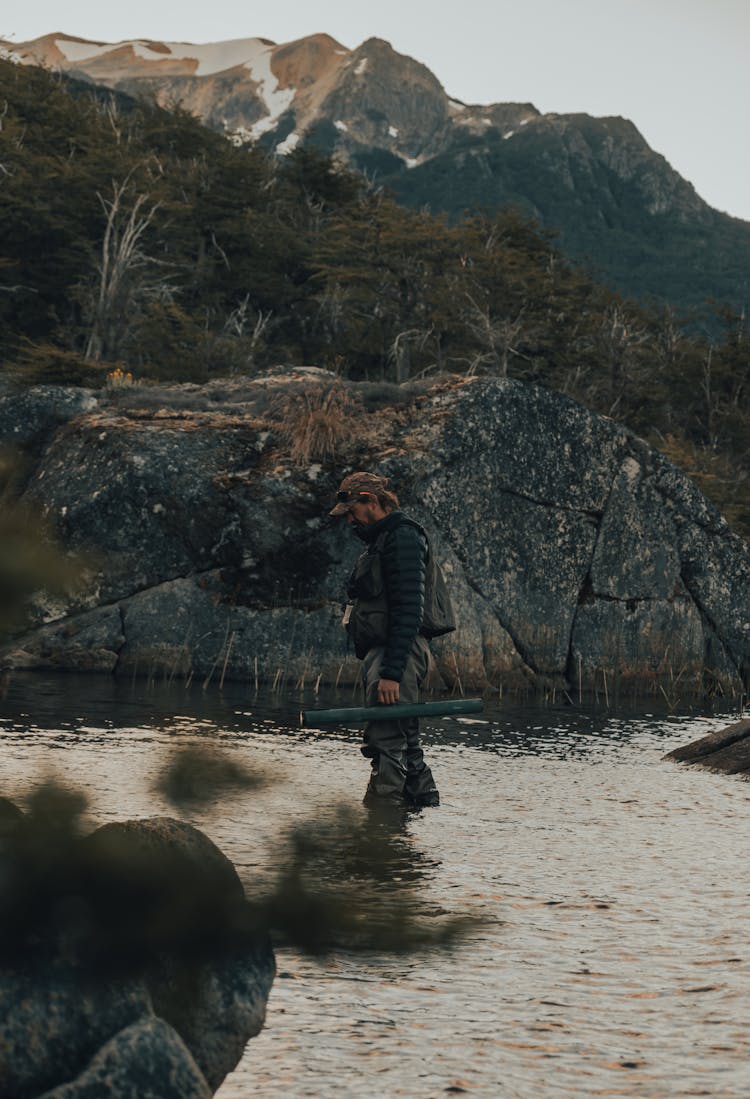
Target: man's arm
[{"x": 404, "y": 557}]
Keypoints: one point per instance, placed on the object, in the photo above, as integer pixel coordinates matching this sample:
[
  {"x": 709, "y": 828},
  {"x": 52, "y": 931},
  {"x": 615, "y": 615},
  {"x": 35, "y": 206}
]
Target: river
[{"x": 613, "y": 958}]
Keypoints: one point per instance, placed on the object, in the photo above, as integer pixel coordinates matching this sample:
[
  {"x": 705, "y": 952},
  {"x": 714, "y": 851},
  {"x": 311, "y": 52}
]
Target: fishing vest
[{"x": 366, "y": 619}]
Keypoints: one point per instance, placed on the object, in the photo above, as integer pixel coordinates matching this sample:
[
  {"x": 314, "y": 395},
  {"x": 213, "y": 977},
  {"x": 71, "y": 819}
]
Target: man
[{"x": 397, "y": 601}]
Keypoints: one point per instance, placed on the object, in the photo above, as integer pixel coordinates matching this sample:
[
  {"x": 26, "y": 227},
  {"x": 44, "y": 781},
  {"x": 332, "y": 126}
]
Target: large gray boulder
[
  {"x": 52, "y": 1023},
  {"x": 217, "y": 1010},
  {"x": 573, "y": 530},
  {"x": 29, "y": 415},
  {"x": 574, "y": 551},
  {"x": 216, "y": 1006},
  {"x": 143, "y": 494},
  {"x": 146, "y": 1060},
  {"x": 158, "y": 1021}
]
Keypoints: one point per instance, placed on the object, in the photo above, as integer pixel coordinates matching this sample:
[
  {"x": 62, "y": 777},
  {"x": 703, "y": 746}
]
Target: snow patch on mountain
[
  {"x": 288, "y": 144},
  {"x": 253, "y": 54},
  {"x": 211, "y": 57},
  {"x": 277, "y": 100},
  {"x": 83, "y": 51},
  {"x": 239, "y": 136}
]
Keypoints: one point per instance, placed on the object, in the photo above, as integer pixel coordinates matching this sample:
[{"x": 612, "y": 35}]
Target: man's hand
[{"x": 387, "y": 691}]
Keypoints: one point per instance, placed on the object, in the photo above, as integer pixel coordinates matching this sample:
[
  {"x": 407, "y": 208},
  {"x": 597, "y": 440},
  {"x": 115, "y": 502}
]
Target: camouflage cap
[{"x": 354, "y": 484}]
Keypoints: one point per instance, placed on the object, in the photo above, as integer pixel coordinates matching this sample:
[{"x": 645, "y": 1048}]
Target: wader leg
[
  {"x": 384, "y": 742},
  {"x": 399, "y": 771},
  {"x": 420, "y": 785}
]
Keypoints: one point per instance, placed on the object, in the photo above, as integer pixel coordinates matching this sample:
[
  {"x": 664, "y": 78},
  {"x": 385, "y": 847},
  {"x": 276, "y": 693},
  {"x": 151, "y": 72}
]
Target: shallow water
[{"x": 614, "y": 959}]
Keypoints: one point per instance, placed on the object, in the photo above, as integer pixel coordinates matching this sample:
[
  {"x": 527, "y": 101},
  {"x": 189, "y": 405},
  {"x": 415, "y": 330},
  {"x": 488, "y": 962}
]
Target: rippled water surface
[{"x": 615, "y": 957}]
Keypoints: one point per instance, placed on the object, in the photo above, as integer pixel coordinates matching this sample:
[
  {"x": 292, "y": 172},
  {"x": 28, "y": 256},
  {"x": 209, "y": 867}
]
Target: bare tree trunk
[
  {"x": 497, "y": 337},
  {"x": 707, "y": 390},
  {"x": 120, "y": 258},
  {"x": 400, "y": 350}
]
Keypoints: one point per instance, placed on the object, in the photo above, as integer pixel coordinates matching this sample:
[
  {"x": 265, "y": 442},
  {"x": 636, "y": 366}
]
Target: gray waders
[{"x": 399, "y": 772}]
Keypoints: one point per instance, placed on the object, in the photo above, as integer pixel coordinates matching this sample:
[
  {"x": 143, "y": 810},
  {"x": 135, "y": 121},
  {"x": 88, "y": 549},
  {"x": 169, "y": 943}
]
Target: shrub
[
  {"x": 45, "y": 364},
  {"x": 318, "y": 422}
]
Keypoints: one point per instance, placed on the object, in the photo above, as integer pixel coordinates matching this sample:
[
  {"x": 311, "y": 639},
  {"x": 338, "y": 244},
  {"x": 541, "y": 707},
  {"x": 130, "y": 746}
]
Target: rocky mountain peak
[
  {"x": 385, "y": 100},
  {"x": 372, "y": 105}
]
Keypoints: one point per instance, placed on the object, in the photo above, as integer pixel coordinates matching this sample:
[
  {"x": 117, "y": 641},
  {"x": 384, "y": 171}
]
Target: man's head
[{"x": 364, "y": 498}]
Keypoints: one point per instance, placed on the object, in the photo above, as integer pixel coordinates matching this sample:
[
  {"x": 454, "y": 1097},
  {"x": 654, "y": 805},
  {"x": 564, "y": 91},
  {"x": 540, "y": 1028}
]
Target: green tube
[{"x": 357, "y": 714}]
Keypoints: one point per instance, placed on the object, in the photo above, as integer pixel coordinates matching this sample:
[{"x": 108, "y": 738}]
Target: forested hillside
[
  {"x": 135, "y": 238},
  {"x": 620, "y": 208}
]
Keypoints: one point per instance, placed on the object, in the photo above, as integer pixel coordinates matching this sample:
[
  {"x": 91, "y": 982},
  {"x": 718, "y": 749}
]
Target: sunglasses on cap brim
[{"x": 350, "y": 497}]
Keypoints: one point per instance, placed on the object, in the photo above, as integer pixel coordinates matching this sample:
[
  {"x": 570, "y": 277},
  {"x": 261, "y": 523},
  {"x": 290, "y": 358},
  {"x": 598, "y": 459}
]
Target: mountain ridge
[
  {"x": 351, "y": 87},
  {"x": 617, "y": 205}
]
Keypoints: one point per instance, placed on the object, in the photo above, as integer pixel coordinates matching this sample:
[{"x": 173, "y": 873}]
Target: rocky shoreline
[
  {"x": 726, "y": 751},
  {"x": 577, "y": 555}
]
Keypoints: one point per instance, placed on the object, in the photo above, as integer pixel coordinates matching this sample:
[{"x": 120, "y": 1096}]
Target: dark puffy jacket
[{"x": 403, "y": 557}]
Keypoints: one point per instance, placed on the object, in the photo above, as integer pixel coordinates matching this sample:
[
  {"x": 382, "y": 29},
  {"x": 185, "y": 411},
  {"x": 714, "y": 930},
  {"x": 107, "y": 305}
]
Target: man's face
[{"x": 364, "y": 511}]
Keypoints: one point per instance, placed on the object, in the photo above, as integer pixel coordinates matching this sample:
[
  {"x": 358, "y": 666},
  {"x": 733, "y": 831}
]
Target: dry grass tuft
[{"x": 317, "y": 422}]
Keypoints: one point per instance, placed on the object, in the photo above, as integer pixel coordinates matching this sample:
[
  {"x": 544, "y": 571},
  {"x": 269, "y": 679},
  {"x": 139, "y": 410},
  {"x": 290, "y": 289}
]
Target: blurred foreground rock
[
  {"x": 172, "y": 1029},
  {"x": 726, "y": 750},
  {"x": 577, "y": 555}
]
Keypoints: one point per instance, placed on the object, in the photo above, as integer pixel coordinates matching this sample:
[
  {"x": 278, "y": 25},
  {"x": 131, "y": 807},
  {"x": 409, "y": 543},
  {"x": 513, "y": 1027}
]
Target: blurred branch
[
  {"x": 198, "y": 777},
  {"x": 30, "y": 559},
  {"x": 118, "y": 899}
]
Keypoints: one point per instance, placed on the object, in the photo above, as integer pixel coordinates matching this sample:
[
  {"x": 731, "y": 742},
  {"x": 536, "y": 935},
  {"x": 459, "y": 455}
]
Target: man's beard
[{"x": 360, "y": 529}]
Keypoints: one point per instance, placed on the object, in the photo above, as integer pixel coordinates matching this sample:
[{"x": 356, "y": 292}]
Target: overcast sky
[{"x": 678, "y": 69}]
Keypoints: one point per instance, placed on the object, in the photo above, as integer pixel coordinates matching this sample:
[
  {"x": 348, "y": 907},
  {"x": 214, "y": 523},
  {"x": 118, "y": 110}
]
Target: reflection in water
[
  {"x": 379, "y": 847},
  {"x": 613, "y": 960}
]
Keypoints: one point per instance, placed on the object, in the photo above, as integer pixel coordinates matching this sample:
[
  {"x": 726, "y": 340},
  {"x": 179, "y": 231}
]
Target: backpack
[{"x": 437, "y": 617}]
